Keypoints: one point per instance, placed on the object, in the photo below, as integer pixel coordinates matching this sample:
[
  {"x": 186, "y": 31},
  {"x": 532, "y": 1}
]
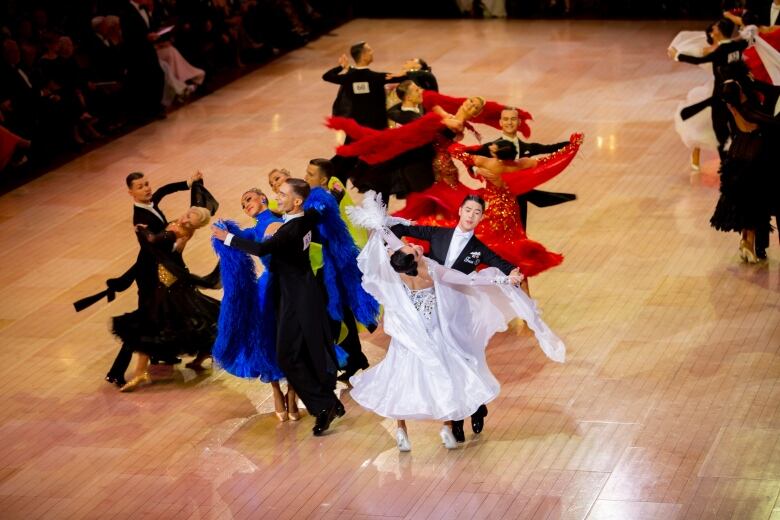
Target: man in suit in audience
[
  {"x": 145, "y": 79},
  {"x": 459, "y": 249}
]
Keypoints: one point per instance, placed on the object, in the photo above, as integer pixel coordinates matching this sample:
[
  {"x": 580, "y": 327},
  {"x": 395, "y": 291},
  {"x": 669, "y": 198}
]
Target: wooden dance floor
[{"x": 667, "y": 407}]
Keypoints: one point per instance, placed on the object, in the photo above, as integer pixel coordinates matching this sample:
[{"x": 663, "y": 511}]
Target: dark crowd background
[{"x": 75, "y": 74}]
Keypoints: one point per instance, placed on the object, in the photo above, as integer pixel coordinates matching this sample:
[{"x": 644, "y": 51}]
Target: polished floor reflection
[{"x": 668, "y": 406}]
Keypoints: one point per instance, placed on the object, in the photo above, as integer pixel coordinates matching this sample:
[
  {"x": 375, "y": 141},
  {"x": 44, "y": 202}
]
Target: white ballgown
[
  {"x": 435, "y": 367},
  {"x": 696, "y": 131}
]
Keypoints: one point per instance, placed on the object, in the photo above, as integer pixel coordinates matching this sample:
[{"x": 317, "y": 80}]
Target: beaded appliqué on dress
[{"x": 424, "y": 300}]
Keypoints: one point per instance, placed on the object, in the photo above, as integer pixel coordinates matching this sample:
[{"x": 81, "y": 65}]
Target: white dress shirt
[
  {"x": 142, "y": 12},
  {"x": 287, "y": 217},
  {"x": 459, "y": 240},
  {"x": 774, "y": 10}
]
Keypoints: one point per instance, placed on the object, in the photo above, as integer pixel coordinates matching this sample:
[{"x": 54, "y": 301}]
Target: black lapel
[
  {"x": 467, "y": 249},
  {"x": 444, "y": 239}
]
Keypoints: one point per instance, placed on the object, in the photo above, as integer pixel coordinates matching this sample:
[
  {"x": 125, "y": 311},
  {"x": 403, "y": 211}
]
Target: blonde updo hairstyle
[{"x": 203, "y": 216}]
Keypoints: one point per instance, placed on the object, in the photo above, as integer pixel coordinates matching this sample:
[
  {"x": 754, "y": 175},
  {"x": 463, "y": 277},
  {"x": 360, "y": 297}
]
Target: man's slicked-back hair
[
  {"x": 325, "y": 166},
  {"x": 356, "y": 50},
  {"x": 403, "y": 88},
  {"x": 726, "y": 27},
  {"x": 299, "y": 186},
  {"x": 133, "y": 177},
  {"x": 474, "y": 198}
]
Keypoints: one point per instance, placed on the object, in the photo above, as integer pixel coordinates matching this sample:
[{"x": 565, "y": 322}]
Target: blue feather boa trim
[
  {"x": 246, "y": 342},
  {"x": 339, "y": 253}
]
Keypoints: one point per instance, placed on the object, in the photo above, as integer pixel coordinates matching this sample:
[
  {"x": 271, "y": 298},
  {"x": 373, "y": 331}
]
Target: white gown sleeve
[{"x": 476, "y": 307}]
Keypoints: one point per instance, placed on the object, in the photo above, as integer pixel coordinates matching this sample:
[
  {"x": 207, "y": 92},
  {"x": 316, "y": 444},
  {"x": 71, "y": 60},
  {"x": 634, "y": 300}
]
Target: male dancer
[
  {"x": 361, "y": 96},
  {"x": 459, "y": 249},
  {"x": 147, "y": 212},
  {"x": 509, "y": 122},
  {"x": 303, "y": 338},
  {"x": 726, "y": 51},
  {"x": 319, "y": 174}
]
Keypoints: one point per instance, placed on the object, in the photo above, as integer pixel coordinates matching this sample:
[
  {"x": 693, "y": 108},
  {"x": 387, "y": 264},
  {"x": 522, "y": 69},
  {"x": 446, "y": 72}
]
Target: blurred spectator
[
  {"x": 106, "y": 72},
  {"x": 72, "y": 72},
  {"x": 145, "y": 79}
]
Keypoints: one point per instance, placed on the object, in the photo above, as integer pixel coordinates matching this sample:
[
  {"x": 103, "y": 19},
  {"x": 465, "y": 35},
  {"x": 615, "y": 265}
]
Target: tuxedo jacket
[
  {"x": 725, "y": 54},
  {"x": 299, "y": 300},
  {"x": 402, "y": 117},
  {"x": 526, "y": 149},
  {"x": 145, "y": 268},
  {"x": 141, "y": 54},
  {"x": 474, "y": 252},
  {"x": 361, "y": 95}
]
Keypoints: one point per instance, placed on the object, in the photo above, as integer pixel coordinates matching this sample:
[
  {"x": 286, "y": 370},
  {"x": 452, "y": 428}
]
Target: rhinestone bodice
[{"x": 424, "y": 301}]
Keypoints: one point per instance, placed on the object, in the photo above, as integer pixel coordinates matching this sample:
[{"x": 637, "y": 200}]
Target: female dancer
[
  {"x": 249, "y": 350},
  {"x": 245, "y": 346},
  {"x": 501, "y": 230},
  {"x": 440, "y": 322},
  {"x": 746, "y": 196},
  {"x": 180, "y": 319},
  {"x": 276, "y": 177}
]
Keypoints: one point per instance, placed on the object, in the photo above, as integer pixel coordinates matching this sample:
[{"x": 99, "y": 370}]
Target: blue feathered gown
[{"x": 246, "y": 342}]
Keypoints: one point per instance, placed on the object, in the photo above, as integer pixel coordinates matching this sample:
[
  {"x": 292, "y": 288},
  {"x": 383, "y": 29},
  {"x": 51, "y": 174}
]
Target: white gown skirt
[
  {"x": 697, "y": 131},
  {"x": 447, "y": 385}
]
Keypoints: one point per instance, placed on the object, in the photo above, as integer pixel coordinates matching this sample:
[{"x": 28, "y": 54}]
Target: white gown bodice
[{"x": 424, "y": 301}]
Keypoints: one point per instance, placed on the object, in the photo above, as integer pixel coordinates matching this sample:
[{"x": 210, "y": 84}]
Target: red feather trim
[
  {"x": 490, "y": 115},
  {"x": 378, "y": 146},
  {"x": 523, "y": 181}
]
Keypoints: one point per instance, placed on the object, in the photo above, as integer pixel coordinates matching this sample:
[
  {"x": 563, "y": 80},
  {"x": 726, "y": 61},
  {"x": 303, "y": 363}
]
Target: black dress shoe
[
  {"x": 340, "y": 411},
  {"x": 457, "y": 431},
  {"x": 323, "y": 420},
  {"x": 478, "y": 419},
  {"x": 114, "y": 380}
]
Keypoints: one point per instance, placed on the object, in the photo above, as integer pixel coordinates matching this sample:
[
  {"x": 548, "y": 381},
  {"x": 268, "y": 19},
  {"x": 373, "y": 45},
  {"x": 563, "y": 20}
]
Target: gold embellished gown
[{"x": 178, "y": 319}]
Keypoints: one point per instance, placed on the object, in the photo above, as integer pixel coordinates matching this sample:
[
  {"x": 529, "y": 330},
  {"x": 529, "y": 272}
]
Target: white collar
[
  {"x": 287, "y": 217},
  {"x": 723, "y": 42},
  {"x": 410, "y": 109},
  {"x": 461, "y": 233},
  {"x": 145, "y": 205},
  {"x": 505, "y": 138},
  {"x": 361, "y": 68}
]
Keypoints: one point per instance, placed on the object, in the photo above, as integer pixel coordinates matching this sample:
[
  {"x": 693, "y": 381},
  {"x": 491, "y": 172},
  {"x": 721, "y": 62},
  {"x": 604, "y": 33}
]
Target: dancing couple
[
  {"x": 440, "y": 320},
  {"x": 302, "y": 333}
]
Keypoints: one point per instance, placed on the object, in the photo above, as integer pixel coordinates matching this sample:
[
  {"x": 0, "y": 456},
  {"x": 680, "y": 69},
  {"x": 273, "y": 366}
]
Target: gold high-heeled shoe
[
  {"x": 282, "y": 416},
  {"x": 135, "y": 382},
  {"x": 296, "y": 415},
  {"x": 746, "y": 253}
]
